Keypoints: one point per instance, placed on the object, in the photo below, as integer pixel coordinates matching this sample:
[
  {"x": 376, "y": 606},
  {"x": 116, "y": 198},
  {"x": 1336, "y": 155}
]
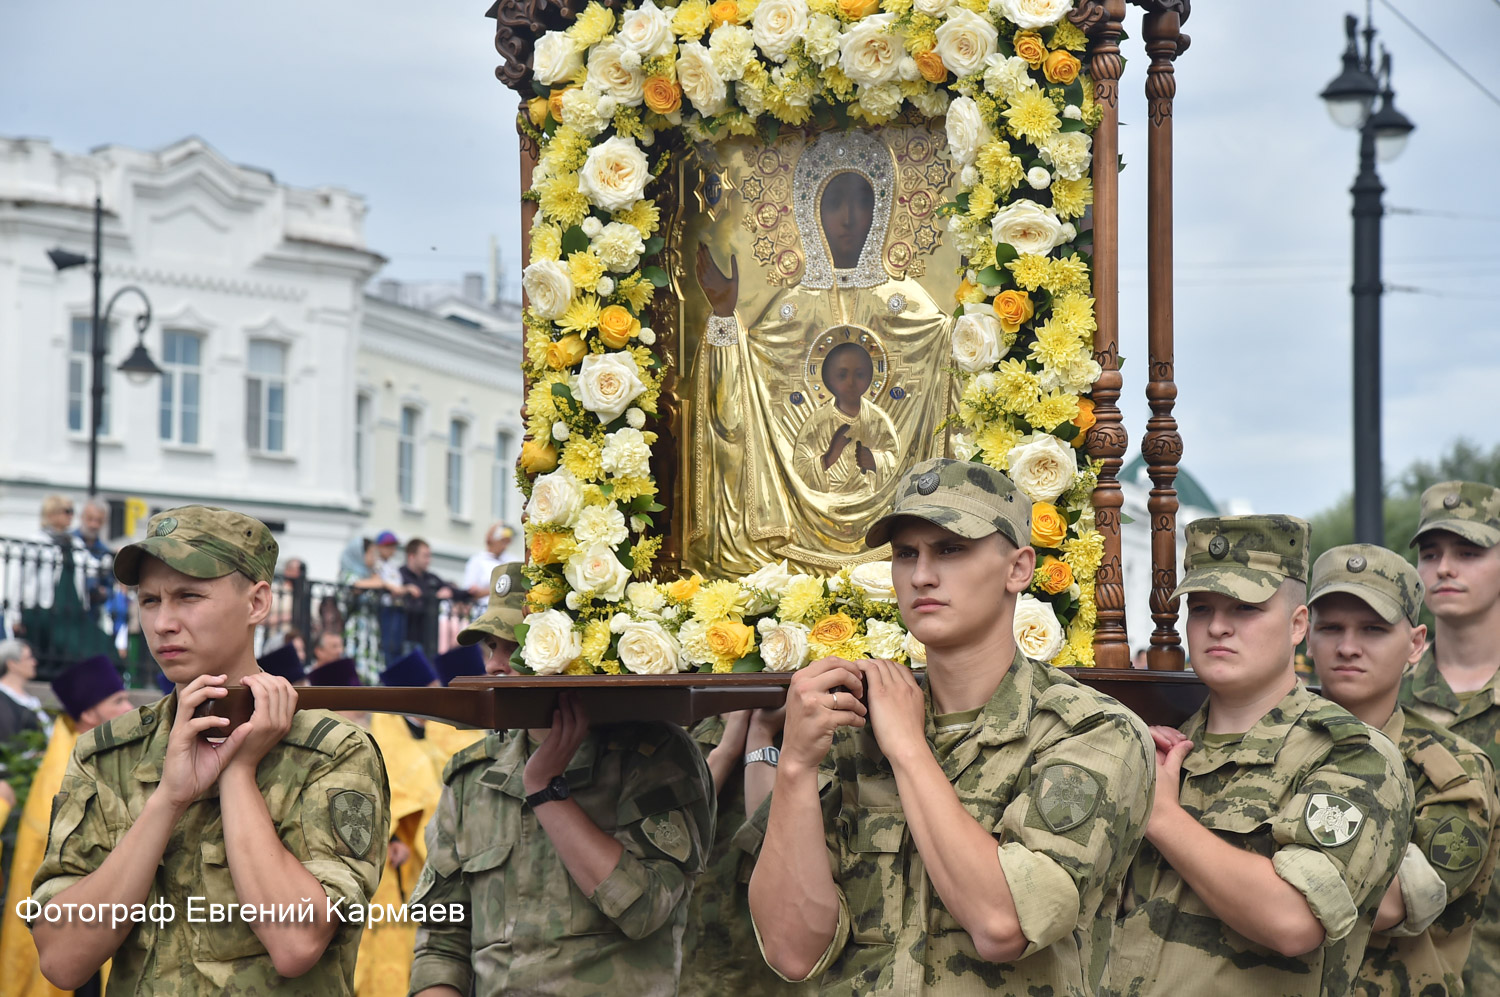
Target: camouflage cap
[
  {"x": 1469, "y": 508},
  {"x": 1385, "y": 580},
  {"x": 507, "y": 606},
  {"x": 964, "y": 496},
  {"x": 204, "y": 542},
  {"x": 1244, "y": 557}
]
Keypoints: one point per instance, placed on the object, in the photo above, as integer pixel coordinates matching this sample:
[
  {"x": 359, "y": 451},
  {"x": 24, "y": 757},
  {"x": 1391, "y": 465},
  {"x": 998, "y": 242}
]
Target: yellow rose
[
  {"x": 724, "y": 12},
  {"x": 1061, "y": 67},
  {"x": 1085, "y": 420},
  {"x": 1013, "y": 308},
  {"x": 968, "y": 293},
  {"x": 545, "y": 595},
  {"x": 930, "y": 65},
  {"x": 684, "y": 589},
  {"x": 1030, "y": 47},
  {"x": 834, "y": 629},
  {"x": 566, "y": 352},
  {"x": 1053, "y": 575},
  {"x": 856, "y": 9},
  {"x": 617, "y": 326},
  {"x": 554, "y": 102},
  {"x": 729, "y": 640},
  {"x": 537, "y": 456},
  {"x": 537, "y": 110},
  {"x": 544, "y": 547},
  {"x": 1048, "y": 526},
  {"x": 663, "y": 95}
]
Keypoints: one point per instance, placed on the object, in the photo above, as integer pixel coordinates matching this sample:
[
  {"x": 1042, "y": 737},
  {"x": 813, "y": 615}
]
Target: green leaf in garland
[
  {"x": 768, "y": 128},
  {"x": 550, "y": 128},
  {"x": 541, "y": 89},
  {"x": 1004, "y": 253},
  {"x": 574, "y": 241},
  {"x": 626, "y": 556},
  {"x": 653, "y": 245},
  {"x": 562, "y": 391},
  {"x": 1126, "y": 520},
  {"x": 1074, "y": 94},
  {"x": 962, "y": 202},
  {"x": 991, "y": 277},
  {"x": 656, "y": 275},
  {"x": 607, "y": 489},
  {"x": 751, "y": 662},
  {"x": 1072, "y": 125}
]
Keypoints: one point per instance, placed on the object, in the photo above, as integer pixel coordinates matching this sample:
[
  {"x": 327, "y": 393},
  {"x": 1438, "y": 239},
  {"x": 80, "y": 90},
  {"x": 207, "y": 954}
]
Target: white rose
[
  {"x": 1007, "y": 76},
  {"x": 615, "y": 174},
  {"x": 963, "y": 447},
  {"x": 778, "y": 25},
  {"x": 870, "y": 53},
  {"x": 596, "y": 571},
  {"x": 600, "y": 524},
  {"x": 626, "y": 453},
  {"x": 765, "y": 586},
  {"x": 822, "y": 42},
  {"x": 916, "y": 652},
  {"x": 732, "y": 48},
  {"x": 647, "y": 649},
  {"x": 1068, "y": 153},
  {"x": 1027, "y": 226},
  {"x": 966, "y": 130},
  {"x": 635, "y": 417},
  {"x": 647, "y": 31},
  {"x": 606, "y": 384},
  {"x": 610, "y": 74},
  {"x": 560, "y": 431},
  {"x": 783, "y": 646},
  {"x": 555, "y": 499},
  {"x": 932, "y": 8},
  {"x": 965, "y": 40},
  {"x": 1034, "y": 13},
  {"x": 1044, "y": 468},
  {"x": 884, "y": 640},
  {"x": 1037, "y": 632},
  {"x": 619, "y": 246},
  {"x": 873, "y": 578},
  {"x": 555, "y": 58},
  {"x": 644, "y": 597},
  {"x": 548, "y": 287},
  {"x": 551, "y": 643},
  {"x": 978, "y": 341},
  {"x": 605, "y": 287},
  {"x": 1039, "y": 178},
  {"x": 700, "y": 82}
]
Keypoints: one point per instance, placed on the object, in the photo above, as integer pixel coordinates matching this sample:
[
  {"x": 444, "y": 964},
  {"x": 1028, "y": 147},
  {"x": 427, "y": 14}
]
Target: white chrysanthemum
[
  {"x": 600, "y": 524},
  {"x": 619, "y": 246},
  {"x": 626, "y": 454}
]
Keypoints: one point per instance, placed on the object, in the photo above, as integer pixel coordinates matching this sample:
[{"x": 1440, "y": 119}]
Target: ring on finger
[{"x": 835, "y": 700}]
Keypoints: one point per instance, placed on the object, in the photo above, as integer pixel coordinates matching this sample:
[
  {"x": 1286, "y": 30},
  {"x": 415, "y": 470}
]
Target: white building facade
[{"x": 259, "y": 323}]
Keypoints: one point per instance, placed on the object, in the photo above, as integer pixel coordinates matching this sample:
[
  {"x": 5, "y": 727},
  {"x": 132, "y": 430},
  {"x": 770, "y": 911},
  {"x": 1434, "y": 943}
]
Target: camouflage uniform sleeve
[
  {"x": 1343, "y": 832},
  {"x": 666, "y": 824},
  {"x": 346, "y": 812},
  {"x": 78, "y": 838},
  {"x": 442, "y": 954},
  {"x": 1066, "y": 839}
]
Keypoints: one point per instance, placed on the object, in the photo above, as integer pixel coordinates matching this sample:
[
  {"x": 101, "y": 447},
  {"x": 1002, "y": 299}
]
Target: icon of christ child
[{"x": 847, "y": 447}]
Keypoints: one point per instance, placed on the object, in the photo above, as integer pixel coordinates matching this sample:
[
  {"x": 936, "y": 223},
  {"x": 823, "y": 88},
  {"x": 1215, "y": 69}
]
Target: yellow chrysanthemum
[
  {"x": 537, "y": 342},
  {"x": 582, "y": 456},
  {"x": 1067, "y": 274},
  {"x": 1052, "y": 410},
  {"x": 1030, "y": 270},
  {"x": 637, "y": 292},
  {"x": 897, "y": 7},
  {"x": 691, "y": 20},
  {"x": 1001, "y": 170},
  {"x": 540, "y": 401},
  {"x": 1088, "y": 609},
  {"x": 801, "y": 594},
  {"x": 582, "y": 315},
  {"x": 546, "y": 243},
  {"x": 1070, "y": 198},
  {"x": 644, "y": 215},
  {"x": 981, "y": 203},
  {"x": 1084, "y": 553},
  {"x": 852, "y": 649},
  {"x": 1066, "y": 35},
  {"x": 995, "y": 442},
  {"x": 1017, "y": 383},
  {"x": 595, "y": 641},
  {"x": 585, "y": 268},
  {"x": 1032, "y": 116},
  {"x": 562, "y": 202},
  {"x": 1056, "y": 345},
  {"x": 579, "y": 666},
  {"x": 1074, "y": 312},
  {"x": 719, "y": 600},
  {"x": 627, "y": 489},
  {"x": 592, "y": 25}
]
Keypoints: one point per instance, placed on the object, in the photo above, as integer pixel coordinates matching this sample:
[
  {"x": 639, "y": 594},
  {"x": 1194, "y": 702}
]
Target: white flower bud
[
  {"x": 635, "y": 417},
  {"x": 572, "y": 600},
  {"x": 592, "y": 226},
  {"x": 646, "y": 336},
  {"x": 560, "y": 431},
  {"x": 605, "y": 287},
  {"x": 1073, "y": 111},
  {"x": 969, "y": 176},
  {"x": 1039, "y": 178}
]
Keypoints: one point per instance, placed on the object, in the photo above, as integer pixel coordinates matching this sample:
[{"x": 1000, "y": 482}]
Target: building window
[
  {"x": 505, "y": 471},
  {"x": 181, "y": 382},
  {"x": 362, "y": 406},
  {"x": 265, "y": 397},
  {"x": 406, "y": 457},
  {"x": 457, "y": 430},
  {"x": 81, "y": 375}
]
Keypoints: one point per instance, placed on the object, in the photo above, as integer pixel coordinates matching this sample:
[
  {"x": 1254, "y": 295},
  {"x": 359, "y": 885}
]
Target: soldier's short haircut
[
  {"x": 11, "y": 649},
  {"x": 1294, "y": 589}
]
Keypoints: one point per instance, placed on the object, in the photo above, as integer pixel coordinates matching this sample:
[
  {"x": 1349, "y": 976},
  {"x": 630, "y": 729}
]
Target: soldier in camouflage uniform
[
  {"x": 972, "y": 837},
  {"x": 574, "y": 850},
  {"x": 1279, "y": 817},
  {"x": 1455, "y": 684},
  {"x": 1365, "y": 601},
  {"x": 292, "y": 806}
]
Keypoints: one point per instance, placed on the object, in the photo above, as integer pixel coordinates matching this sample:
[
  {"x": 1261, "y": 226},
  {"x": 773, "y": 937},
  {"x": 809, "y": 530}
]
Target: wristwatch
[
  {"x": 555, "y": 790},
  {"x": 770, "y": 754}
]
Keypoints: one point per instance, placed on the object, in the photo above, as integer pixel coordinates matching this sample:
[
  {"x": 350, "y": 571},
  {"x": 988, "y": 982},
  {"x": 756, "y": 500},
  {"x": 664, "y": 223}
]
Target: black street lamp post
[
  {"x": 138, "y": 366},
  {"x": 1382, "y": 135}
]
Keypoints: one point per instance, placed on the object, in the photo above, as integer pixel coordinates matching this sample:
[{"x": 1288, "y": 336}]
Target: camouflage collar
[
  {"x": 1428, "y": 686},
  {"x": 1006, "y": 717},
  {"x": 1261, "y": 743},
  {"x": 1393, "y": 727}
]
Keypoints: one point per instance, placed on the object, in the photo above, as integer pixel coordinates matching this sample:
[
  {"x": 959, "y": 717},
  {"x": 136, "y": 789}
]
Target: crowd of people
[{"x": 991, "y": 825}]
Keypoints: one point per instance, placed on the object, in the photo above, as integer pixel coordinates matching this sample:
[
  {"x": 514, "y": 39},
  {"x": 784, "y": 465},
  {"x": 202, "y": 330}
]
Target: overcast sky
[{"x": 397, "y": 101}]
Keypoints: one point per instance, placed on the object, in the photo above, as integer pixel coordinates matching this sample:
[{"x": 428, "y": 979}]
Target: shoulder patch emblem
[
  {"x": 1332, "y": 819},
  {"x": 1455, "y": 845},
  {"x": 423, "y": 884},
  {"x": 353, "y": 816},
  {"x": 1066, "y": 796},
  {"x": 669, "y": 833}
]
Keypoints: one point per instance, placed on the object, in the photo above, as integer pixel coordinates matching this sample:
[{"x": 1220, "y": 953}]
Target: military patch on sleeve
[
  {"x": 353, "y": 816},
  {"x": 669, "y": 833},
  {"x": 1454, "y": 846},
  {"x": 1066, "y": 796},
  {"x": 1332, "y": 819},
  {"x": 423, "y": 884}
]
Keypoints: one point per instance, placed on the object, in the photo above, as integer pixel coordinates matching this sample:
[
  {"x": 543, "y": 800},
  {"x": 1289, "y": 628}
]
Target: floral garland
[{"x": 1019, "y": 116}]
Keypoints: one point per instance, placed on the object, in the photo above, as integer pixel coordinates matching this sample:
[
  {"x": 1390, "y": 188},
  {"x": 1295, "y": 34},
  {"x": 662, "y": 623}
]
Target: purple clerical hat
[
  {"x": 283, "y": 661},
  {"x": 87, "y": 684},
  {"x": 340, "y": 672},
  {"x": 412, "y": 670},
  {"x": 460, "y": 661}
]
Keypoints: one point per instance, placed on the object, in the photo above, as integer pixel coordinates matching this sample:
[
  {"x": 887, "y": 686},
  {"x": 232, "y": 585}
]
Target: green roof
[{"x": 1189, "y": 491}]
